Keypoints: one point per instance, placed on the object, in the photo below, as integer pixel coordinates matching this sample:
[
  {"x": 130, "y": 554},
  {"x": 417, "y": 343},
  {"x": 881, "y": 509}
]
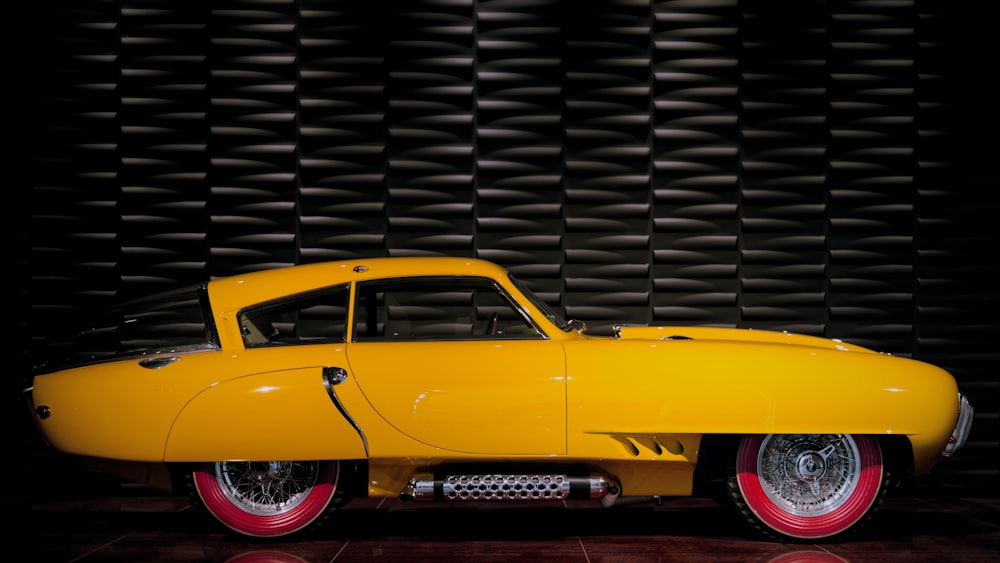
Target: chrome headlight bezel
[{"x": 961, "y": 432}]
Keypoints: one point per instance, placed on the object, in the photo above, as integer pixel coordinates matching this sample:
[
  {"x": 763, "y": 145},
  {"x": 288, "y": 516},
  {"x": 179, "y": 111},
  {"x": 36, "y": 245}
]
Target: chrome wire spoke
[
  {"x": 808, "y": 475},
  {"x": 266, "y": 487},
  {"x": 816, "y": 489}
]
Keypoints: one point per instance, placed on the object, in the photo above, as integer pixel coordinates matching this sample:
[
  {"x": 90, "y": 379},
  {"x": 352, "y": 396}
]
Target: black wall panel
[{"x": 818, "y": 167}]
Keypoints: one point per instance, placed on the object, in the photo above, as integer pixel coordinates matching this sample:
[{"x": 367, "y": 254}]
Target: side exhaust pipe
[{"x": 495, "y": 487}]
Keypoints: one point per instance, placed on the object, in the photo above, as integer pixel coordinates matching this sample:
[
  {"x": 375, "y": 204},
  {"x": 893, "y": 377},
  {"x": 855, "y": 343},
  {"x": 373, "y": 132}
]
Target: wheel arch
[
  {"x": 713, "y": 463},
  {"x": 897, "y": 457},
  {"x": 354, "y": 473}
]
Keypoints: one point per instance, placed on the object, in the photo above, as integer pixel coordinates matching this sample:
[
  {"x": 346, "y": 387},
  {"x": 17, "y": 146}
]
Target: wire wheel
[
  {"x": 808, "y": 486},
  {"x": 266, "y": 499}
]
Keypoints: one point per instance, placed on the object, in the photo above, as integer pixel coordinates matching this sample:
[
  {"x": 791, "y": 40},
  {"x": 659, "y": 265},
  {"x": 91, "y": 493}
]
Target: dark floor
[{"x": 93, "y": 519}]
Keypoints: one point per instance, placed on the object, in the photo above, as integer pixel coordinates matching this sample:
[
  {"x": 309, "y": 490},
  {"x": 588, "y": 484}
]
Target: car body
[{"x": 275, "y": 397}]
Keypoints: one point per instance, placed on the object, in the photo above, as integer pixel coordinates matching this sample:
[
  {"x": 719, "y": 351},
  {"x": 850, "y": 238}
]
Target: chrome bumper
[{"x": 962, "y": 427}]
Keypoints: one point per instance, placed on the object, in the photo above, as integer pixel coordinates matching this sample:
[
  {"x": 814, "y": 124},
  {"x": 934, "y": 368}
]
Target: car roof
[{"x": 240, "y": 290}]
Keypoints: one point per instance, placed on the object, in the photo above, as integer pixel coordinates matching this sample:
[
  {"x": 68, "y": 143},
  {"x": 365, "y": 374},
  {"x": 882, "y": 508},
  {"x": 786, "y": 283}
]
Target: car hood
[{"x": 733, "y": 335}]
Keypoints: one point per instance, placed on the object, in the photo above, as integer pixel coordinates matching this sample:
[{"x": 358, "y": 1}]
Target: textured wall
[{"x": 797, "y": 165}]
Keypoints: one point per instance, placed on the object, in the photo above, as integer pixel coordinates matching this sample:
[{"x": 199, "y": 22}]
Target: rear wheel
[
  {"x": 267, "y": 499},
  {"x": 807, "y": 486}
]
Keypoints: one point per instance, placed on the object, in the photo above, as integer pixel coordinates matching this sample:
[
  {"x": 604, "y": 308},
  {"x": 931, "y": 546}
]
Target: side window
[
  {"x": 309, "y": 318},
  {"x": 438, "y": 309}
]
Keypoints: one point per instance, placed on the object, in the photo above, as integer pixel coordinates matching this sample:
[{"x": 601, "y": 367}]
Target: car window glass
[
  {"x": 438, "y": 309},
  {"x": 540, "y": 304},
  {"x": 310, "y": 318},
  {"x": 169, "y": 321}
]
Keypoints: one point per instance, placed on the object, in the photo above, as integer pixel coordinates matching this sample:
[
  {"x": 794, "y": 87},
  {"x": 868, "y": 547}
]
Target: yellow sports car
[{"x": 275, "y": 397}]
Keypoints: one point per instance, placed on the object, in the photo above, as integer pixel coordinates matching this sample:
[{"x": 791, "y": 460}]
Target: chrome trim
[
  {"x": 332, "y": 376},
  {"x": 497, "y": 487},
  {"x": 158, "y": 362},
  {"x": 962, "y": 427},
  {"x": 29, "y": 402}
]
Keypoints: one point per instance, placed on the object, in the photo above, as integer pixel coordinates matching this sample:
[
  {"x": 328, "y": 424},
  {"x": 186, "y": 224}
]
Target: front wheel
[
  {"x": 807, "y": 486},
  {"x": 267, "y": 499}
]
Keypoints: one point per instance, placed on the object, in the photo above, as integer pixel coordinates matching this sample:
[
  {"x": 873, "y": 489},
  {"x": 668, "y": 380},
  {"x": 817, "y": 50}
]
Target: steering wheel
[{"x": 491, "y": 327}]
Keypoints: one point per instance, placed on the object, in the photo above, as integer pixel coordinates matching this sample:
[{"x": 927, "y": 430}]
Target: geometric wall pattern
[{"x": 799, "y": 165}]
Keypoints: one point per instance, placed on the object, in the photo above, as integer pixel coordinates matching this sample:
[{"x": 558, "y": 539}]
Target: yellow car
[{"x": 276, "y": 397}]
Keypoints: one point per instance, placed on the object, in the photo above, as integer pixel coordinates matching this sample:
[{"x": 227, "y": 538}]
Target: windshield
[{"x": 542, "y": 306}]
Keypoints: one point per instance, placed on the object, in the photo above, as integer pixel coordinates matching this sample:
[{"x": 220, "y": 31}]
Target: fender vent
[{"x": 636, "y": 444}]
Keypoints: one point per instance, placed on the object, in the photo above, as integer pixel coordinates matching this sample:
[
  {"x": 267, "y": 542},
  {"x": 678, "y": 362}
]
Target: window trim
[
  {"x": 291, "y": 300},
  {"x": 474, "y": 282}
]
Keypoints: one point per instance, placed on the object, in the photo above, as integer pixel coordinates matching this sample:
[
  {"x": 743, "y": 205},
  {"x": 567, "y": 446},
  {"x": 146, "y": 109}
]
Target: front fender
[
  {"x": 636, "y": 387},
  {"x": 277, "y": 415}
]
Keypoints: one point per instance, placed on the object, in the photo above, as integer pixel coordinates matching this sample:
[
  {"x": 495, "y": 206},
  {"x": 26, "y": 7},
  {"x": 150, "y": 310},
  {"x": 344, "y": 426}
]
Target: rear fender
[{"x": 280, "y": 415}]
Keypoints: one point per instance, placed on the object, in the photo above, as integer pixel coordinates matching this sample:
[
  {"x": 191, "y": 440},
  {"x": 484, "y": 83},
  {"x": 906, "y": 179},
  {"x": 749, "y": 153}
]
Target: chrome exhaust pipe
[{"x": 495, "y": 487}]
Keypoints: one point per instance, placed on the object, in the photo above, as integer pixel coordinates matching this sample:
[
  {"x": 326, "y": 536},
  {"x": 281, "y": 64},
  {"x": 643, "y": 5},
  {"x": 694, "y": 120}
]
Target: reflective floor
[{"x": 92, "y": 518}]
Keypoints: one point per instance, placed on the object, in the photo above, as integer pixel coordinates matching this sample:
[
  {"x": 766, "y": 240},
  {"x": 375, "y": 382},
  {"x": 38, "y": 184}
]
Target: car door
[{"x": 453, "y": 363}]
